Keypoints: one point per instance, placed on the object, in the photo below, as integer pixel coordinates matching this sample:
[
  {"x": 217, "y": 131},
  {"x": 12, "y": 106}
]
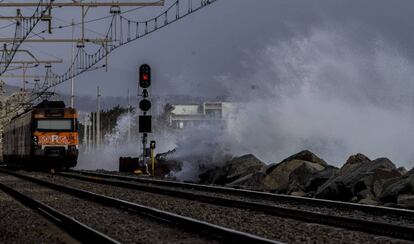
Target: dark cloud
[{"x": 188, "y": 56}]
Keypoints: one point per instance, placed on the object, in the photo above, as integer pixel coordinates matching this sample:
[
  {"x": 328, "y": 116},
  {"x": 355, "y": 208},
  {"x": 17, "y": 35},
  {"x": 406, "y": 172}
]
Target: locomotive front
[{"x": 55, "y": 134}]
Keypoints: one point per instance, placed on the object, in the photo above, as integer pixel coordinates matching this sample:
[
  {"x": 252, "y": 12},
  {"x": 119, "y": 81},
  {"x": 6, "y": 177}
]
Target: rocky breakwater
[{"x": 359, "y": 180}]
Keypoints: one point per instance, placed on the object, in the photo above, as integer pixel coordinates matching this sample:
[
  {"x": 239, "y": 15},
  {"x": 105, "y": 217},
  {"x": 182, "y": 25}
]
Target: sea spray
[
  {"x": 114, "y": 145},
  {"x": 320, "y": 91},
  {"x": 325, "y": 92}
]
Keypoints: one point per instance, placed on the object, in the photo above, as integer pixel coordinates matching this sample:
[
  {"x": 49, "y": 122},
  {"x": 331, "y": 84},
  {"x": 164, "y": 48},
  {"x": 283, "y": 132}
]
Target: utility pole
[
  {"x": 98, "y": 119},
  {"x": 85, "y": 132},
  {"x": 129, "y": 118},
  {"x": 2, "y": 105},
  {"x": 72, "y": 84},
  {"x": 24, "y": 77},
  {"x": 2, "y": 117},
  {"x": 93, "y": 131},
  {"x": 89, "y": 132}
]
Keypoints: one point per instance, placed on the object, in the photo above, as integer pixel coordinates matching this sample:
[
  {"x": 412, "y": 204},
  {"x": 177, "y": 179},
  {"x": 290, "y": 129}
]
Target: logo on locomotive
[{"x": 57, "y": 139}]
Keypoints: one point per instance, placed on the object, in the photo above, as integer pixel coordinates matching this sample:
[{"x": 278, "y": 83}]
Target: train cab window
[{"x": 54, "y": 125}]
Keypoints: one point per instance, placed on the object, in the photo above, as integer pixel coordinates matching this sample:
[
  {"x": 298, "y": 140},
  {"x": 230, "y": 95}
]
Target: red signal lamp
[{"x": 144, "y": 76}]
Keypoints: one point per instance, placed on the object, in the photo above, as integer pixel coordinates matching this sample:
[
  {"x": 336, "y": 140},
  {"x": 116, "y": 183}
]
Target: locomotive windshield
[{"x": 55, "y": 125}]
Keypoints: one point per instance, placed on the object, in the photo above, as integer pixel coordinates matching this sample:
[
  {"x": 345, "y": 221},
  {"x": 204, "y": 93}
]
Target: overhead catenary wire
[
  {"x": 76, "y": 24},
  {"x": 72, "y": 25},
  {"x": 69, "y": 24},
  {"x": 88, "y": 21},
  {"x": 23, "y": 27},
  {"x": 119, "y": 34},
  {"x": 83, "y": 60}
]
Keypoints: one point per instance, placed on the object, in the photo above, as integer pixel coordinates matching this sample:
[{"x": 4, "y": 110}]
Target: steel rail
[
  {"x": 375, "y": 210},
  {"x": 74, "y": 228},
  {"x": 371, "y": 227},
  {"x": 189, "y": 224}
]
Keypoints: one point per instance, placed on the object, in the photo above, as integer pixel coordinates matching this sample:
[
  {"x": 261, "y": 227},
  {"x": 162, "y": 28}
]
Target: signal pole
[
  {"x": 145, "y": 121},
  {"x": 72, "y": 81}
]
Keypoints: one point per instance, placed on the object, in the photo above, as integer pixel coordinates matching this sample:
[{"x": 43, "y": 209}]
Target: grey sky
[
  {"x": 188, "y": 56},
  {"x": 332, "y": 76}
]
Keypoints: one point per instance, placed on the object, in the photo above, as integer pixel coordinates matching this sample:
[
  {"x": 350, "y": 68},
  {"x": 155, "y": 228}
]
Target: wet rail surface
[{"x": 197, "y": 231}]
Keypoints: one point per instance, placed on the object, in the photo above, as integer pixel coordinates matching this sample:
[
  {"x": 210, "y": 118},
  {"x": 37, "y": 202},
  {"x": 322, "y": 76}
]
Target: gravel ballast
[
  {"x": 120, "y": 225},
  {"x": 388, "y": 219},
  {"x": 258, "y": 223},
  {"x": 350, "y": 213},
  {"x": 20, "y": 224}
]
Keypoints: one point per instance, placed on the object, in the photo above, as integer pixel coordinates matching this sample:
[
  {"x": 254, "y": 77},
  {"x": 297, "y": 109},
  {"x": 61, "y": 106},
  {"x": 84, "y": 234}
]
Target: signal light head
[{"x": 144, "y": 76}]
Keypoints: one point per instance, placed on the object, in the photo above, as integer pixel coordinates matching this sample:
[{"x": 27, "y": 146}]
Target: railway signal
[
  {"x": 144, "y": 76},
  {"x": 145, "y": 121}
]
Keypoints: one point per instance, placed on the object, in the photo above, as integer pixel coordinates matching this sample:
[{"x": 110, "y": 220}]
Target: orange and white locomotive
[{"x": 45, "y": 136}]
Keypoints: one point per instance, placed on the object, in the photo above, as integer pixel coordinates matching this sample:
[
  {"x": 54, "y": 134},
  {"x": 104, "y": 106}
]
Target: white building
[{"x": 184, "y": 116}]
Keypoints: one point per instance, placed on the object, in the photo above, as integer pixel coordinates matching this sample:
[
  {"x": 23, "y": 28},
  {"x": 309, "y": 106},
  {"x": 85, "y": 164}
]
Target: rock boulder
[
  {"x": 242, "y": 166},
  {"x": 353, "y": 162},
  {"x": 232, "y": 170},
  {"x": 306, "y": 155},
  {"x": 395, "y": 187},
  {"x": 356, "y": 177},
  {"x": 319, "y": 178},
  {"x": 381, "y": 177},
  {"x": 301, "y": 175},
  {"x": 253, "y": 181},
  {"x": 278, "y": 176}
]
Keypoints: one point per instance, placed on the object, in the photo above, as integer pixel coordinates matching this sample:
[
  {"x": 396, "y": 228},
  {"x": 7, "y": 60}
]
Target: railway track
[
  {"x": 21, "y": 224},
  {"x": 170, "y": 188},
  {"x": 209, "y": 231},
  {"x": 279, "y": 198},
  {"x": 75, "y": 228}
]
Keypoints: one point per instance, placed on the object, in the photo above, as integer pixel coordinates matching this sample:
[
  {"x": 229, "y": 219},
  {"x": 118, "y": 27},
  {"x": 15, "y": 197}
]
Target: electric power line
[
  {"x": 23, "y": 28},
  {"x": 121, "y": 31}
]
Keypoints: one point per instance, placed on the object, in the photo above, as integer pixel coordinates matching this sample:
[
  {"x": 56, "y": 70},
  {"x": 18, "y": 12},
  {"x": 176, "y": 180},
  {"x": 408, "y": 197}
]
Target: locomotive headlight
[{"x": 35, "y": 140}]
